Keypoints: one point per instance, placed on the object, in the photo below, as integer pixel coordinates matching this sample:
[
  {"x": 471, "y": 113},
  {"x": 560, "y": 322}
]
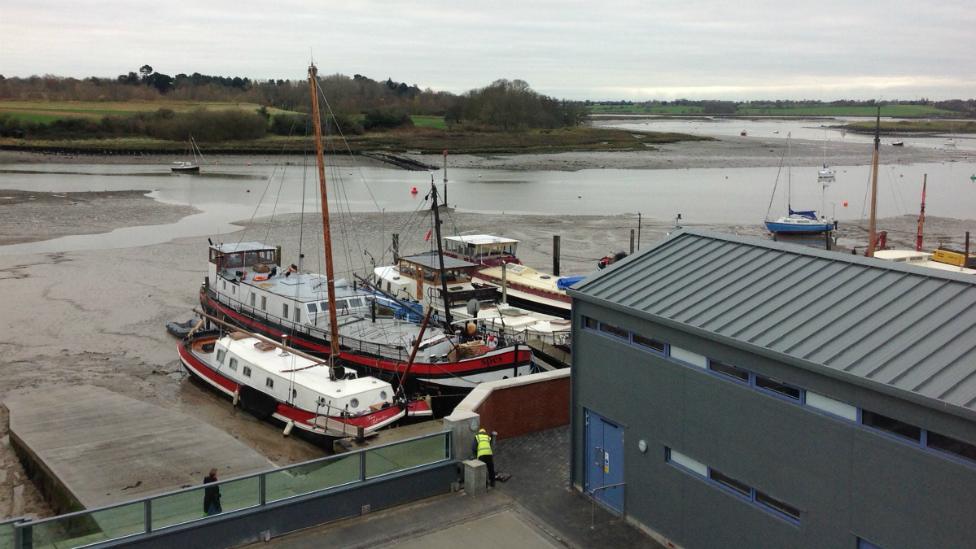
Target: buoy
[
  {"x": 413, "y": 190},
  {"x": 288, "y": 427},
  {"x": 845, "y": 203}
]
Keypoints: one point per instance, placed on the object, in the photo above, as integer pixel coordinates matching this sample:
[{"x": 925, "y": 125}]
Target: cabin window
[
  {"x": 233, "y": 364},
  {"x": 312, "y": 308},
  {"x": 220, "y": 355},
  {"x": 233, "y": 289},
  {"x": 269, "y": 383},
  {"x": 294, "y": 393},
  {"x": 284, "y": 311},
  {"x": 224, "y": 282},
  {"x": 264, "y": 303},
  {"x": 354, "y": 403},
  {"x": 253, "y": 298},
  {"x": 247, "y": 371},
  {"x": 298, "y": 314}
]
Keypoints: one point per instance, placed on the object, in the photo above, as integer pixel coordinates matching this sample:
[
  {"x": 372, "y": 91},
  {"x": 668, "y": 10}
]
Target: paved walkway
[{"x": 539, "y": 465}]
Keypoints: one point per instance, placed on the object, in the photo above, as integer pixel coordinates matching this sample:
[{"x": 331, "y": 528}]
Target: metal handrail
[{"x": 21, "y": 524}]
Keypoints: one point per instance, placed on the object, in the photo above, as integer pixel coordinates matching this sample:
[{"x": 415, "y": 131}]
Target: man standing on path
[
  {"x": 484, "y": 451},
  {"x": 211, "y": 495}
]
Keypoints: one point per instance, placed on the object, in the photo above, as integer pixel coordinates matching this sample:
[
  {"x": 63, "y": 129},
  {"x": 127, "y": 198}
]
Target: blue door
[{"x": 604, "y": 461}]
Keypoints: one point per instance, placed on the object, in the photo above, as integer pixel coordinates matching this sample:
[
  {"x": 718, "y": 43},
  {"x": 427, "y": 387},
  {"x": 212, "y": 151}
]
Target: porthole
[
  {"x": 383, "y": 395},
  {"x": 354, "y": 403}
]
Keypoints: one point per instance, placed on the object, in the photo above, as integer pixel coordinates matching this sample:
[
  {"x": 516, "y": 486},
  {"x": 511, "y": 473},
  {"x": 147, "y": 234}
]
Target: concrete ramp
[{"x": 93, "y": 447}]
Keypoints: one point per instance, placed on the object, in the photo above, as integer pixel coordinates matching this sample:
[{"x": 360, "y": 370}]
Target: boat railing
[{"x": 139, "y": 518}]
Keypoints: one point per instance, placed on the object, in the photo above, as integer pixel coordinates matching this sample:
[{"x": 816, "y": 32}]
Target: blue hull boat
[{"x": 786, "y": 227}]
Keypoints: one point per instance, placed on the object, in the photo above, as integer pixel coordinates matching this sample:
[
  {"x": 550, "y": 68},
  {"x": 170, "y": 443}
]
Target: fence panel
[
  {"x": 311, "y": 477},
  {"x": 90, "y": 527},
  {"x": 406, "y": 455},
  {"x": 186, "y": 506}
]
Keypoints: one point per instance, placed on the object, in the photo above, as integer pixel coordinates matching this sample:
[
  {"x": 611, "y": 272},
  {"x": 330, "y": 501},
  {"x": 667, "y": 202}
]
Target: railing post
[
  {"x": 147, "y": 515},
  {"x": 262, "y": 493},
  {"x": 362, "y": 465},
  {"x": 23, "y": 536}
]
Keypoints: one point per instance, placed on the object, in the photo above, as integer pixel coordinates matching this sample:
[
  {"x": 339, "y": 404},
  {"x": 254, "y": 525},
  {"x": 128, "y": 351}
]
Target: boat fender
[
  {"x": 288, "y": 427},
  {"x": 259, "y": 278},
  {"x": 237, "y": 397}
]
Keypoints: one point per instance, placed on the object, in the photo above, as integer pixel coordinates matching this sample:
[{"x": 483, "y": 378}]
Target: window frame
[
  {"x": 246, "y": 371},
  {"x": 232, "y": 363}
]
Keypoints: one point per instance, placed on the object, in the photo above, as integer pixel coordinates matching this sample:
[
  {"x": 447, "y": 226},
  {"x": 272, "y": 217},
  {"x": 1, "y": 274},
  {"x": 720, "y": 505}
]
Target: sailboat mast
[
  {"x": 326, "y": 233},
  {"x": 921, "y": 215},
  {"x": 440, "y": 251},
  {"x": 873, "y": 220},
  {"x": 445, "y": 178},
  {"x": 789, "y": 174}
]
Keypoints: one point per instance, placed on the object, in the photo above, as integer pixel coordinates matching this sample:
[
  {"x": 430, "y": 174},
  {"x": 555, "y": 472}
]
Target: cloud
[{"x": 609, "y": 50}]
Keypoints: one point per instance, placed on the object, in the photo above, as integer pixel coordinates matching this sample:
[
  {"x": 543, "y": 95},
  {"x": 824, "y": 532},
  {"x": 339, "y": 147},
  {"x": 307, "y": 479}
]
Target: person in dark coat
[{"x": 211, "y": 495}]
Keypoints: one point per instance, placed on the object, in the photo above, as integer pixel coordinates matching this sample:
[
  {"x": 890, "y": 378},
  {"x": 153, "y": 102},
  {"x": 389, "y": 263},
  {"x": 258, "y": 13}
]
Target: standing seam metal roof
[{"x": 906, "y": 327}]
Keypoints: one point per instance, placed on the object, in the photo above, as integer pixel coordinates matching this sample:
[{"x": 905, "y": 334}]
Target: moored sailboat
[
  {"x": 342, "y": 322},
  {"x": 797, "y": 221}
]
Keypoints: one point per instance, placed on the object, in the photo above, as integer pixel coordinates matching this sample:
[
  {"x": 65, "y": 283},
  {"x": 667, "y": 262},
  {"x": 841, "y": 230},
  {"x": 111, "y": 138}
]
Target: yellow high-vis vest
[{"x": 484, "y": 444}]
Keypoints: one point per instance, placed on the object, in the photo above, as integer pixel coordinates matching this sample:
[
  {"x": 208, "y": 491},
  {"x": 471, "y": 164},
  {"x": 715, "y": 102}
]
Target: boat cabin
[
  {"x": 418, "y": 277},
  {"x": 248, "y": 277},
  {"x": 482, "y": 249}
]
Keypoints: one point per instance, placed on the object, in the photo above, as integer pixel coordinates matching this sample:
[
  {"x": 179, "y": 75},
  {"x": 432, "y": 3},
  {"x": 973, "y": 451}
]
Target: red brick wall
[{"x": 515, "y": 411}]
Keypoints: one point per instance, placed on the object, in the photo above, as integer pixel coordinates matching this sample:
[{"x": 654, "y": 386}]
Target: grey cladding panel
[{"x": 910, "y": 328}]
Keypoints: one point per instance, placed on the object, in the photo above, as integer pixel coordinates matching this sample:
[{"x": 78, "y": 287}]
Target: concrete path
[{"x": 100, "y": 447}]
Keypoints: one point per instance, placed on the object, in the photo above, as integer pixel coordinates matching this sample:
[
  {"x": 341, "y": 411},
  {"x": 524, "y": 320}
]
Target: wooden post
[
  {"x": 632, "y": 233},
  {"x": 504, "y": 282},
  {"x": 555, "y": 254}
]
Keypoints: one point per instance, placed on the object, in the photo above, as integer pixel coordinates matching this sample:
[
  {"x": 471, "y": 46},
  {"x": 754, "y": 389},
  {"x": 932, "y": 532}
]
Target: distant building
[{"x": 736, "y": 392}]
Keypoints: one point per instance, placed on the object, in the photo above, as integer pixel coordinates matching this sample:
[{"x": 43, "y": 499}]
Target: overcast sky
[{"x": 580, "y": 50}]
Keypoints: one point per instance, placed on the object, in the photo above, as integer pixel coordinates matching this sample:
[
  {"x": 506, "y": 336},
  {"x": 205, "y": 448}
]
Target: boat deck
[{"x": 73, "y": 436}]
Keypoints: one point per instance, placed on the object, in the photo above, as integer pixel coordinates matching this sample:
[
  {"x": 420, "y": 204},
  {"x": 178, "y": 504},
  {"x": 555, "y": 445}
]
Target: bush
[
  {"x": 207, "y": 126},
  {"x": 385, "y": 119}
]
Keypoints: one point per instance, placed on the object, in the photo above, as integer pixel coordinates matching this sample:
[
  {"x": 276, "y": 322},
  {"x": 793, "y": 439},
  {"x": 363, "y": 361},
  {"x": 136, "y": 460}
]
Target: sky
[{"x": 641, "y": 50}]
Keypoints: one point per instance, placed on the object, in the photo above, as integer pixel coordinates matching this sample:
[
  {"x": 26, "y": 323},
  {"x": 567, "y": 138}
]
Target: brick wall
[{"x": 515, "y": 410}]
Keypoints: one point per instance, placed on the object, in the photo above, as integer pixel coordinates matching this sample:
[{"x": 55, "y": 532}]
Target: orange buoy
[{"x": 413, "y": 190}]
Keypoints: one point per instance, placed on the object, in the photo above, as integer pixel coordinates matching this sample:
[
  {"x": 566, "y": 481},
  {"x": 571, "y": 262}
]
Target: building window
[
  {"x": 831, "y": 406},
  {"x": 688, "y": 357},
  {"x": 778, "y": 387},
  {"x": 688, "y": 463},
  {"x": 652, "y": 344},
  {"x": 284, "y": 311},
  {"x": 728, "y": 370},
  {"x": 891, "y": 425},
  {"x": 729, "y": 482},
  {"x": 951, "y": 445},
  {"x": 253, "y": 296},
  {"x": 777, "y": 505},
  {"x": 220, "y": 355},
  {"x": 233, "y": 364},
  {"x": 269, "y": 383},
  {"x": 747, "y": 493},
  {"x": 589, "y": 323},
  {"x": 264, "y": 303},
  {"x": 614, "y": 330},
  {"x": 247, "y": 371}
]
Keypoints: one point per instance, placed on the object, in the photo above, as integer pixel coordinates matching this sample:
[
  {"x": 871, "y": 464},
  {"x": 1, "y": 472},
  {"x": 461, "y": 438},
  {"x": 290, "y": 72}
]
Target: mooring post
[
  {"x": 632, "y": 234},
  {"x": 396, "y": 247},
  {"x": 555, "y": 254},
  {"x": 638, "y": 229}
]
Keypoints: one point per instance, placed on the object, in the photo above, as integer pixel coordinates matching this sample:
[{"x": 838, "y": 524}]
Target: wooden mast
[
  {"x": 921, "y": 216},
  {"x": 326, "y": 233},
  {"x": 440, "y": 253},
  {"x": 873, "y": 220}
]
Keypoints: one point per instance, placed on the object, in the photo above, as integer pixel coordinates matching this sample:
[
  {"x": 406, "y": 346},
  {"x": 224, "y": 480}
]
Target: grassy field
[
  {"x": 49, "y": 111},
  {"x": 916, "y": 126},
  {"x": 427, "y": 140},
  {"x": 899, "y": 111},
  {"x": 429, "y": 121}
]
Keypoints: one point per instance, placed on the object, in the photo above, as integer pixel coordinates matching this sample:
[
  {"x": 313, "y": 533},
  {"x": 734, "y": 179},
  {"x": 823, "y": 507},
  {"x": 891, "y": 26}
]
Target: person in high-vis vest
[{"x": 484, "y": 451}]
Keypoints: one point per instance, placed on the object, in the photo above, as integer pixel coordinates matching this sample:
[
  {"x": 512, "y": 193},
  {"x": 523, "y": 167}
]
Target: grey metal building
[{"x": 737, "y": 392}]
